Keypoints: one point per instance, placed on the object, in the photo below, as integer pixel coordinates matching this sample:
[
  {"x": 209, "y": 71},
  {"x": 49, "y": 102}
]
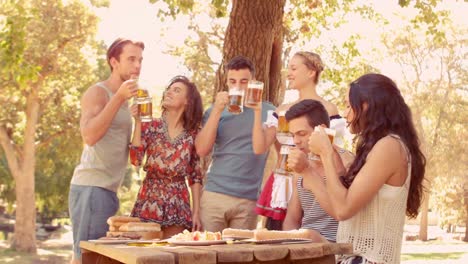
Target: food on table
[
  {"x": 238, "y": 233},
  {"x": 140, "y": 226},
  {"x": 197, "y": 236},
  {"x": 264, "y": 234},
  {"x": 132, "y": 228}
]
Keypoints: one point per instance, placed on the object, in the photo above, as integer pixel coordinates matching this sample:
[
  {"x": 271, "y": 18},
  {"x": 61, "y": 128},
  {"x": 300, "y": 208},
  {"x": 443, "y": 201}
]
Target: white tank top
[
  {"x": 104, "y": 164},
  {"x": 376, "y": 231}
]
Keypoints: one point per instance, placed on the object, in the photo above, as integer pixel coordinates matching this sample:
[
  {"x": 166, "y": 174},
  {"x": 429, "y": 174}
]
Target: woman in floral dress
[{"x": 168, "y": 143}]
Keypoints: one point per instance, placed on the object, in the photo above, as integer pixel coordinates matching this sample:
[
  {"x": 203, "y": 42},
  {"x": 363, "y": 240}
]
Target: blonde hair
[{"x": 312, "y": 61}]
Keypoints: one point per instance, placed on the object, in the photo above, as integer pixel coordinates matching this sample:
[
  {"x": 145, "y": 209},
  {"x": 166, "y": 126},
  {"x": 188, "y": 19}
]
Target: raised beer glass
[
  {"x": 145, "y": 109},
  {"x": 145, "y": 104},
  {"x": 331, "y": 136},
  {"x": 236, "y": 100},
  {"x": 254, "y": 93}
]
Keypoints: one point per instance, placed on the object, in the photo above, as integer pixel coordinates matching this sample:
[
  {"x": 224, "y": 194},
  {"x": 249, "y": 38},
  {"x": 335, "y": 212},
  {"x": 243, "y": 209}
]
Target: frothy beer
[
  {"x": 142, "y": 94},
  {"x": 145, "y": 110},
  {"x": 236, "y": 102},
  {"x": 254, "y": 93},
  {"x": 283, "y": 125}
]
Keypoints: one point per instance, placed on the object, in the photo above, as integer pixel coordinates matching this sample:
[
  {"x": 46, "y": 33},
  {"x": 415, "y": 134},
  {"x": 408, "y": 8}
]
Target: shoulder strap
[
  {"x": 408, "y": 155},
  {"x": 108, "y": 91}
]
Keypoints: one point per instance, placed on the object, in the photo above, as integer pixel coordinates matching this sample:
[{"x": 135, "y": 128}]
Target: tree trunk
[
  {"x": 25, "y": 225},
  {"x": 424, "y": 217},
  {"x": 466, "y": 208},
  {"x": 255, "y": 30}
]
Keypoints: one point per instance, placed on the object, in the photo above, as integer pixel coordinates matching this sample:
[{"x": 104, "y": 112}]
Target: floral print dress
[{"x": 163, "y": 197}]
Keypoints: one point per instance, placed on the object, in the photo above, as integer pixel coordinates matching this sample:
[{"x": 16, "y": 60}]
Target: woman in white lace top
[{"x": 385, "y": 180}]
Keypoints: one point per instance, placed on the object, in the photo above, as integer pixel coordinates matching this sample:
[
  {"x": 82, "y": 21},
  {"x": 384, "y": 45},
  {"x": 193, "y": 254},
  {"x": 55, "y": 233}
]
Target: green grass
[
  {"x": 432, "y": 256},
  {"x": 53, "y": 256}
]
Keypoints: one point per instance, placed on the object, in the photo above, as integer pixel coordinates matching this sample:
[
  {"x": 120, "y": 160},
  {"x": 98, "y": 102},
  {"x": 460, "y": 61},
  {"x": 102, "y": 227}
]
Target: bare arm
[
  {"x": 136, "y": 140},
  {"x": 97, "y": 112},
  {"x": 196, "y": 194},
  {"x": 206, "y": 137},
  {"x": 382, "y": 165},
  {"x": 294, "y": 213},
  {"x": 262, "y": 138}
]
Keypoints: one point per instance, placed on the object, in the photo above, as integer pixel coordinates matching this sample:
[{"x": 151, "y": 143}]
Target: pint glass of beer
[
  {"x": 283, "y": 126},
  {"x": 254, "y": 93},
  {"x": 236, "y": 100},
  {"x": 145, "y": 109},
  {"x": 331, "y": 136}
]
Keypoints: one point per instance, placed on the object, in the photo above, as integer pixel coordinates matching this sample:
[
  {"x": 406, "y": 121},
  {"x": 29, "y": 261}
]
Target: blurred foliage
[
  {"x": 47, "y": 49},
  {"x": 434, "y": 80}
]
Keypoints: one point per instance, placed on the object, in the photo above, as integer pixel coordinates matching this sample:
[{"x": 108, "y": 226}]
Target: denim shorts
[{"x": 89, "y": 208}]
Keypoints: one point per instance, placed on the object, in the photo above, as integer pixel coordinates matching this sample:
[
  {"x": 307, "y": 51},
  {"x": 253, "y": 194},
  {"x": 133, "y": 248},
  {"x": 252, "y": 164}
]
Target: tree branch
[{"x": 9, "y": 148}]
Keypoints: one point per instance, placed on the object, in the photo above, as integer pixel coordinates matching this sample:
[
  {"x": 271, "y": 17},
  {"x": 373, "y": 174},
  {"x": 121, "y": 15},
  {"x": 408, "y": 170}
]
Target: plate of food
[
  {"x": 196, "y": 243},
  {"x": 280, "y": 241},
  {"x": 196, "y": 238},
  {"x": 112, "y": 240},
  {"x": 237, "y": 234}
]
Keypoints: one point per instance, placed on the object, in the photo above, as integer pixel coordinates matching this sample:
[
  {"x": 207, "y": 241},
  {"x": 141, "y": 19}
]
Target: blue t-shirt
[{"x": 235, "y": 170}]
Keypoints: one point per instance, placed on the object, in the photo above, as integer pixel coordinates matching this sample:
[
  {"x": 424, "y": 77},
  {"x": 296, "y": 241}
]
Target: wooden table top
[{"x": 232, "y": 253}]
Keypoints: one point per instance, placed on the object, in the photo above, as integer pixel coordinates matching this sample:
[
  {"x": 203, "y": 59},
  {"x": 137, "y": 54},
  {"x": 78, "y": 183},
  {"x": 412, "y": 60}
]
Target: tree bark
[
  {"x": 255, "y": 30},
  {"x": 466, "y": 208},
  {"x": 25, "y": 218}
]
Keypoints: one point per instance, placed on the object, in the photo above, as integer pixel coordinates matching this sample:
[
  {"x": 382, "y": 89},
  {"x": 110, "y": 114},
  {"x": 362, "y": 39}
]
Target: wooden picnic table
[{"x": 228, "y": 253}]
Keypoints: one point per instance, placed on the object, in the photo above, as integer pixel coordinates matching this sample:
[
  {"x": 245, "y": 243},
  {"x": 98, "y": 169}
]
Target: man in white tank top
[{"x": 105, "y": 127}]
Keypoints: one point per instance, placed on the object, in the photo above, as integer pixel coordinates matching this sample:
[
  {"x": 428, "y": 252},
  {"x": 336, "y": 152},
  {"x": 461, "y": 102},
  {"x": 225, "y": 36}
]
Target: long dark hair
[
  {"x": 194, "y": 109},
  {"x": 386, "y": 113}
]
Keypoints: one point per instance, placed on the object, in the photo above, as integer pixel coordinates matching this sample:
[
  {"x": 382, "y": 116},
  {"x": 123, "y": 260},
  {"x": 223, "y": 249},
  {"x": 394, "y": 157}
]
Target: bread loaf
[
  {"x": 263, "y": 234},
  {"x": 139, "y": 227},
  {"x": 240, "y": 233},
  {"x": 113, "y": 228},
  {"x": 118, "y": 220}
]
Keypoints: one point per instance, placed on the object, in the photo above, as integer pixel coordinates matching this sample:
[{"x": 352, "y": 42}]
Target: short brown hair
[
  {"x": 117, "y": 46},
  {"x": 312, "y": 61}
]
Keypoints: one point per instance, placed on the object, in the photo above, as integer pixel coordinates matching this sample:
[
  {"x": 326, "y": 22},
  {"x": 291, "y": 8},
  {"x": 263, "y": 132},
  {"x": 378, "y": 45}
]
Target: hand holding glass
[
  {"x": 236, "y": 100},
  {"x": 331, "y": 136}
]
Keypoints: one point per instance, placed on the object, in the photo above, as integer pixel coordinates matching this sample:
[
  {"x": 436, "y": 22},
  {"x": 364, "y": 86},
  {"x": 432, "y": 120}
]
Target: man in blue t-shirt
[{"x": 235, "y": 174}]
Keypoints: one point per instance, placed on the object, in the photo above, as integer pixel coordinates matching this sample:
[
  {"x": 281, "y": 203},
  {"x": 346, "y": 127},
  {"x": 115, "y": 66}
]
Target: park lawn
[
  {"x": 49, "y": 256},
  {"x": 432, "y": 256}
]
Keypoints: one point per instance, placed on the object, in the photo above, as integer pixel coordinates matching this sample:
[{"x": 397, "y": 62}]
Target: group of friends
[{"x": 360, "y": 198}]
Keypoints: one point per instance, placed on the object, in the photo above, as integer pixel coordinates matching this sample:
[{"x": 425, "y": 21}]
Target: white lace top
[{"x": 376, "y": 231}]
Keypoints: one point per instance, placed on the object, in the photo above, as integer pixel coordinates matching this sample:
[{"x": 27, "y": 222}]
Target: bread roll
[
  {"x": 241, "y": 233},
  {"x": 263, "y": 234},
  {"x": 113, "y": 228},
  {"x": 121, "y": 219},
  {"x": 140, "y": 227}
]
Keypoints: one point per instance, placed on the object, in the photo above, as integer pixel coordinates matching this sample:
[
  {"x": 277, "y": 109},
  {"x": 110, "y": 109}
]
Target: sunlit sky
[{"x": 138, "y": 19}]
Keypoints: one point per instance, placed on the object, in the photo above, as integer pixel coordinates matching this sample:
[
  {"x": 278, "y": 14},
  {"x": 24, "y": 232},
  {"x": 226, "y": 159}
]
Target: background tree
[
  {"x": 434, "y": 80},
  {"x": 45, "y": 46}
]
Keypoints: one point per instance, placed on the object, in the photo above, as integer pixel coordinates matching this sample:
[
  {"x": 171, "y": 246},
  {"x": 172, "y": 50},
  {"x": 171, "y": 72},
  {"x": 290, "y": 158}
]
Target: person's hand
[
  {"x": 196, "y": 222},
  {"x": 256, "y": 108},
  {"x": 319, "y": 143},
  {"x": 297, "y": 160},
  {"x": 222, "y": 99},
  {"x": 128, "y": 89},
  {"x": 134, "y": 112}
]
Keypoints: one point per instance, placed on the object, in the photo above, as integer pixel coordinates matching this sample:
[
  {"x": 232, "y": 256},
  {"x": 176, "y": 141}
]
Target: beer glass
[
  {"x": 236, "y": 100},
  {"x": 254, "y": 93},
  {"x": 144, "y": 102},
  {"x": 282, "y": 132},
  {"x": 283, "y": 164},
  {"x": 283, "y": 125},
  {"x": 145, "y": 109},
  {"x": 331, "y": 136}
]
